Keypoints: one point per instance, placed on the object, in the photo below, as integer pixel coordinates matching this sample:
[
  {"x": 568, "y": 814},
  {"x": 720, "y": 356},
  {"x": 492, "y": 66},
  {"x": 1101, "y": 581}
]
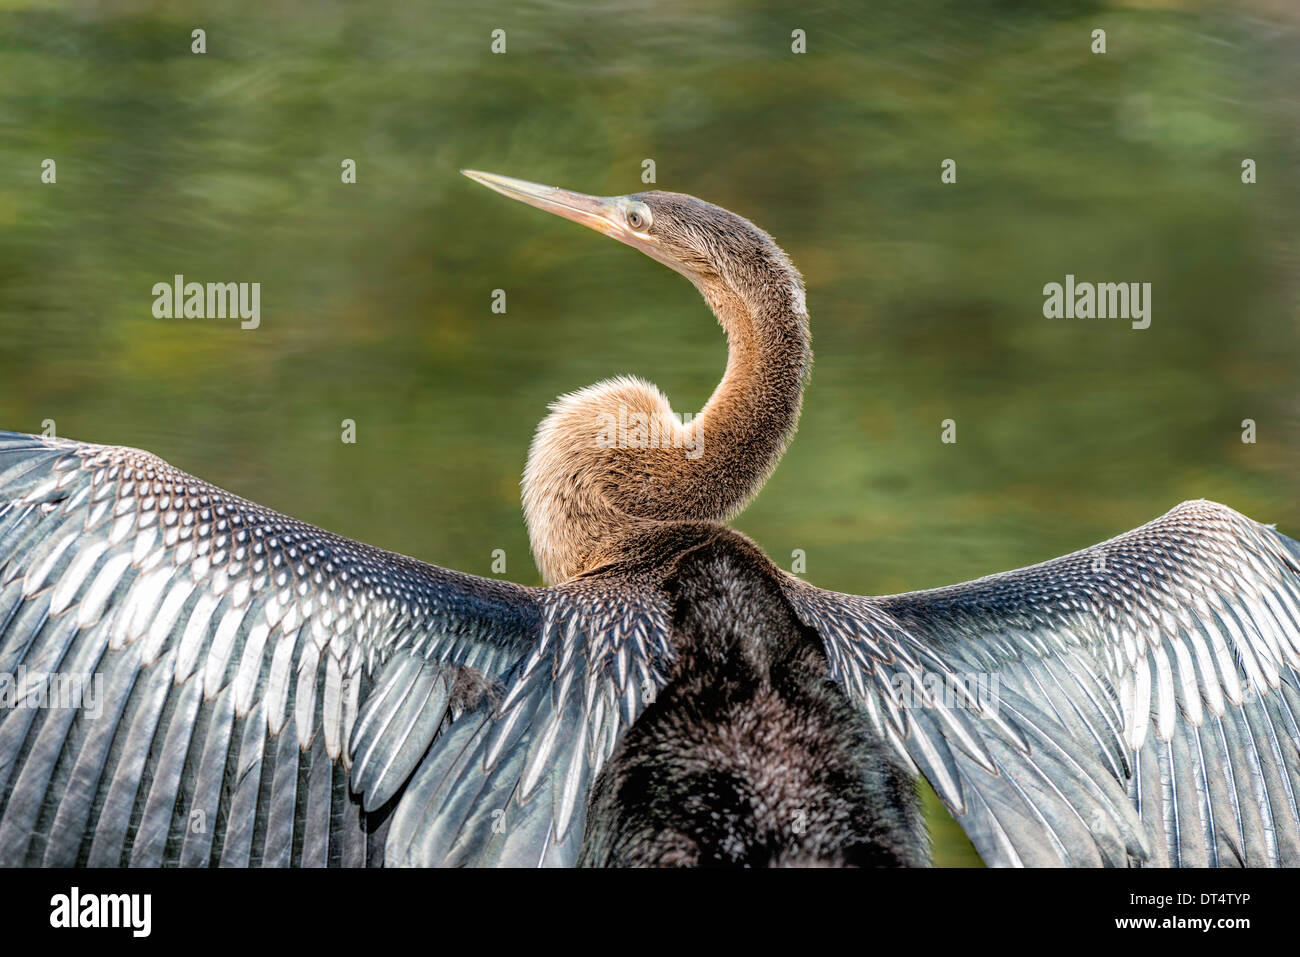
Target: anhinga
[{"x": 274, "y": 694}]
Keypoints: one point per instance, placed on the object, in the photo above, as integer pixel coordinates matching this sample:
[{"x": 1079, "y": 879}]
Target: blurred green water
[{"x": 926, "y": 298}]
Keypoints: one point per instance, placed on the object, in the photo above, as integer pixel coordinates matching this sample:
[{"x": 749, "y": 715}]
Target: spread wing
[
  {"x": 510, "y": 783},
  {"x": 187, "y": 677},
  {"x": 1160, "y": 669}
]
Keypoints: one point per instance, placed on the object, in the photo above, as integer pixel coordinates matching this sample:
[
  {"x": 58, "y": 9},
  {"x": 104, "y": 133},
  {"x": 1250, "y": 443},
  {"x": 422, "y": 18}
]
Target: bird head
[{"x": 696, "y": 238}]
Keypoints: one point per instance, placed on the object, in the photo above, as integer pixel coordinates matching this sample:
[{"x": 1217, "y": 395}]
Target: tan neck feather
[{"x": 612, "y": 458}]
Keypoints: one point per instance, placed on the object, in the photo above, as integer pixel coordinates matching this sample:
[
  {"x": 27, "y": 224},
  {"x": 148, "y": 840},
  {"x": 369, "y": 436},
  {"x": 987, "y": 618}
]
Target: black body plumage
[{"x": 750, "y": 756}]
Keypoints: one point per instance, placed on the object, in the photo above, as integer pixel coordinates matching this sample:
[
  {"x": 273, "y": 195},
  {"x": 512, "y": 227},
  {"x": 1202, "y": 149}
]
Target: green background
[{"x": 926, "y": 299}]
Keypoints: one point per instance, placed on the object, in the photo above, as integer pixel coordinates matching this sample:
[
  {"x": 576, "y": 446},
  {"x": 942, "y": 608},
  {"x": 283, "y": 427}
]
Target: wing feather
[
  {"x": 273, "y": 694},
  {"x": 1166, "y": 659}
]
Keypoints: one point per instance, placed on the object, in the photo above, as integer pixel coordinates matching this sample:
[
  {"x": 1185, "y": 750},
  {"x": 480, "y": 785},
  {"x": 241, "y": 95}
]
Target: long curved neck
[
  {"x": 612, "y": 458},
  {"x": 735, "y": 442}
]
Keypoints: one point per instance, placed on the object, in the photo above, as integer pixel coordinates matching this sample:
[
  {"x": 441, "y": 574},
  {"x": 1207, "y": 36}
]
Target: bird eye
[{"x": 638, "y": 217}]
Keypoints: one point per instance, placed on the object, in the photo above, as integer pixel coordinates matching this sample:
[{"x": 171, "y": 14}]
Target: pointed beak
[{"x": 601, "y": 213}]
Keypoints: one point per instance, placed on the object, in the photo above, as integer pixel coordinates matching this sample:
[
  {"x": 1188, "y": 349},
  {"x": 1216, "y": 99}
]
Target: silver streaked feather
[
  {"x": 1163, "y": 659},
  {"x": 241, "y": 652}
]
